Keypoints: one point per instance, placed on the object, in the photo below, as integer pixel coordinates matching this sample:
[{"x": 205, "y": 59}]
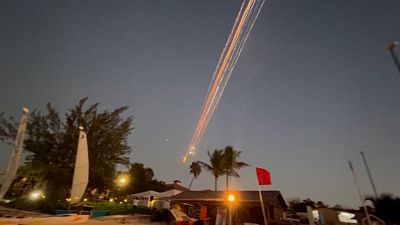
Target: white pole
[
  {"x": 262, "y": 205},
  {"x": 230, "y": 213},
  {"x": 359, "y": 192}
]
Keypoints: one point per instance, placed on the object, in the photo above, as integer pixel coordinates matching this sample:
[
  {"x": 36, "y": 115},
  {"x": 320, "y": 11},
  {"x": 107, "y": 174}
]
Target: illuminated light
[
  {"x": 125, "y": 200},
  {"x": 85, "y": 199},
  {"x": 35, "y": 195},
  {"x": 122, "y": 180},
  {"x": 227, "y": 61},
  {"x": 111, "y": 199},
  {"x": 231, "y": 198},
  {"x": 184, "y": 158},
  {"x": 68, "y": 199}
]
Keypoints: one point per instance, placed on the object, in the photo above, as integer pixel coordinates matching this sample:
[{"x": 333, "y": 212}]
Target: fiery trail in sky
[{"x": 244, "y": 22}]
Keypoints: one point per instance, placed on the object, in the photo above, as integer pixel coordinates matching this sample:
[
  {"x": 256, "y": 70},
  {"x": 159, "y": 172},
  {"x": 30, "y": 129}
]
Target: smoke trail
[{"x": 241, "y": 29}]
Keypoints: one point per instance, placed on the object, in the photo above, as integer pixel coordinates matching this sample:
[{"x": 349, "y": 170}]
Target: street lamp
[
  {"x": 35, "y": 195},
  {"x": 231, "y": 200},
  {"x": 122, "y": 180}
]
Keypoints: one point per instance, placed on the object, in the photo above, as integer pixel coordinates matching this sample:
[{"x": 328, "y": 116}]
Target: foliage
[
  {"x": 21, "y": 185},
  {"x": 195, "y": 169},
  {"x": 8, "y": 129},
  {"x": 292, "y": 205},
  {"x": 387, "y": 208},
  {"x": 41, "y": 205},
  {"x": 142, "y": 179},
  {"x": 223, "y": 162},
  {"x": 296, "y": 205},
  {"x": 52, "y": 140},
  {"x": 215, "y": 167},
  {"x": 112, "y": 208},
  {"x": 231, "y": 164}
]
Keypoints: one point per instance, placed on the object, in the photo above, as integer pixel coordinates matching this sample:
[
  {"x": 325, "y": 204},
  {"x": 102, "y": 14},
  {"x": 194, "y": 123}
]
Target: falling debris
[{"x": 241, "y": 29}]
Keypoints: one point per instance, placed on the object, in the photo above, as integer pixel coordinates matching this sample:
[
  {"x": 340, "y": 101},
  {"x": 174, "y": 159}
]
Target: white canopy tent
[
  {"x": 154, "y": 198},
  {"x": 145, "y": 198}
]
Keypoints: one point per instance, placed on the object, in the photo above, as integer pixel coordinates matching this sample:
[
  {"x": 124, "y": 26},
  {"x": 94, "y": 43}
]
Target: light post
[
  {"x": 231, "y": 200},
  {"x": 121, "y": 181}
]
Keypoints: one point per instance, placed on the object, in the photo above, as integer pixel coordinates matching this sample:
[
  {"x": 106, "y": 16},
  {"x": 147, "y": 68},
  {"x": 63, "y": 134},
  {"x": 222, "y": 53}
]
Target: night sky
[{"x": 313, "y": 86}]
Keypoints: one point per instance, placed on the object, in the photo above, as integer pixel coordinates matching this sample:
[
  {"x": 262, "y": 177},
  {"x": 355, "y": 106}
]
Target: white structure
[
  {"x": 154, "y": 199},
  {"x": 81, "y": 171},
  {"x": 15, "y": 156}
]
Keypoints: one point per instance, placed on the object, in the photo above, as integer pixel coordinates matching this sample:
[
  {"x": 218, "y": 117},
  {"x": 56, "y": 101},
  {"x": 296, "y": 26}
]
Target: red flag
[{"x": 264, "y": 176}]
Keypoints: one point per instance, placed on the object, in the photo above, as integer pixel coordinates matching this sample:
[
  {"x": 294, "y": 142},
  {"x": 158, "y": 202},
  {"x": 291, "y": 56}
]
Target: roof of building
[
  {"x": 177, "y": 185},
  {"x": 220, "y": 196}
]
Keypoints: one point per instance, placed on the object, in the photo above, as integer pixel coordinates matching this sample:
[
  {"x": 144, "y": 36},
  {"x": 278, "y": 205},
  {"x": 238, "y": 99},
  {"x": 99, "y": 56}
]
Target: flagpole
[
  {"x": 261, "y": 198},
  {"x": 359, "y": 192},
  {"x": 262, "y": 205}
]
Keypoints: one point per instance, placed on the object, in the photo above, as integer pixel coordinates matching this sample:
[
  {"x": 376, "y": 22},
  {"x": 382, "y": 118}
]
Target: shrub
[{"x": 42, "y": 205}]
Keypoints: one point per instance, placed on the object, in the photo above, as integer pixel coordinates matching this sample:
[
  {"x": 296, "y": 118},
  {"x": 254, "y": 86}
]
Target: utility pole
[
  {"x": 390, "y": 47},
  {"x": 369, "y": 174}
]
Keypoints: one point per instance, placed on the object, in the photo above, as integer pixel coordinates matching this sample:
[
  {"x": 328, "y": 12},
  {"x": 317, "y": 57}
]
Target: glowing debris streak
[{"x": 241, "y": 29}]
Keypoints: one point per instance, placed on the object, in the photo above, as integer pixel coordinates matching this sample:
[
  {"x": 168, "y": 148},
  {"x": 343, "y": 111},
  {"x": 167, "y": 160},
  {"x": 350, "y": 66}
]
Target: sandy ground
[
  {"x": 117, "y": 219},
  {"x": 111, "y": 220},
  {"x": 9, "y": 212}
]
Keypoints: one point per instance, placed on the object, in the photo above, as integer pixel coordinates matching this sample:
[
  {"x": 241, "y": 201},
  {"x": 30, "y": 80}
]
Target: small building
[
  {"x": 212, "y": 206},
  {"x": 176, "y": 185}
]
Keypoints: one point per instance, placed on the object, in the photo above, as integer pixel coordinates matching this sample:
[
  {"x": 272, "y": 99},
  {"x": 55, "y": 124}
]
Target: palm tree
[
  {"x": 231, "y": 164},
  {"x": 216, "y": 166},
  {"x": 195, "y": 169}
]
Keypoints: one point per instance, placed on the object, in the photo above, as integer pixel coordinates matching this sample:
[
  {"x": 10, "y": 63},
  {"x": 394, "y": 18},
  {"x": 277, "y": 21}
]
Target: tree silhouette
[
  {"x": 52, "y": 141},
  {"x": 387, "y": 208},
  {"x": 142, "y": 179},
  {"x": 216, "y": 166},
  {"x": 231, "y": 165},
  {"x": 195, "y": 169}
]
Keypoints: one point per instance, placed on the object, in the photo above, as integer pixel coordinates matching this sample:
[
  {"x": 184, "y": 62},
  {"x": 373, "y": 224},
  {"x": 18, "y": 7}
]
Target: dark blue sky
[{"x": 312, "y": 88}]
